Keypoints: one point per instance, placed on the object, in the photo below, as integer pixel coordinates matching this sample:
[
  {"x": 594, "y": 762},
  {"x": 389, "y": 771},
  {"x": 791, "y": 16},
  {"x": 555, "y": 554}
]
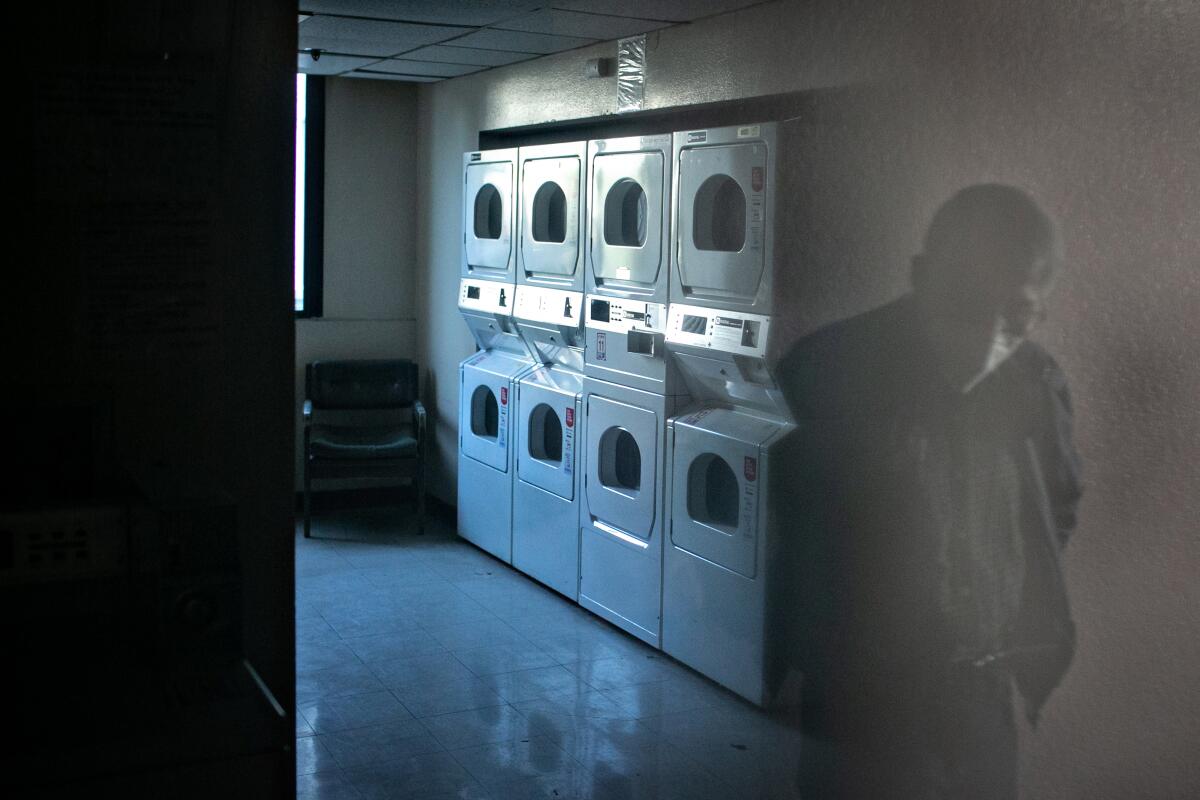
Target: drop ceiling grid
[{"x": 365, "y": 36}]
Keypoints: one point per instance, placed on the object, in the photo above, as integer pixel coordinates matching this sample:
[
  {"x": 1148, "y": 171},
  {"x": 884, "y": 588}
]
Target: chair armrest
[{"x": 308, "y": 411}]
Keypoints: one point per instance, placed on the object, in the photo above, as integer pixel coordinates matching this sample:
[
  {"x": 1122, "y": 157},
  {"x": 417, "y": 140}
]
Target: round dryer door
[
  {"x": 715, "y": 499},
  {"x": 547, "y": 438},
  {"x": 550, "y": 233},
  {"x": 483, "y": 418},
  {"x": 627, "y": 216},
  {"x": 720, "y": 214},
  {"x": 487, "y": 214},
  {"x": 622, "y": 462}
]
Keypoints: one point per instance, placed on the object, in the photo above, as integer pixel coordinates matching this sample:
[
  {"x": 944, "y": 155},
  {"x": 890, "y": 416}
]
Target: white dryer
[
  {"x": 486, "y": 463},
  {"x": 622, "y": 520},
  {"x": 724, "y": 448},
  {"x": 726, "y": 479},
  {"x": 545, "y": 542}
]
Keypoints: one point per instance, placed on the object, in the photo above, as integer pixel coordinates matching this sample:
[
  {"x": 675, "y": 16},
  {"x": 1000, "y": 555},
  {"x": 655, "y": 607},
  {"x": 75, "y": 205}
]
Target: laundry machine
[
  {"x": 545, "y": 541},
  {"x": 548, "y": 315},
  {"x": 728, "y": 450},
  {"x": 488, "y": 379},
  {"x": 630, "y": 386}
]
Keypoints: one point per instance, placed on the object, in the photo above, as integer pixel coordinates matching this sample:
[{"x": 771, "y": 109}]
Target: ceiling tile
[
  {"x": 384, "y": 76},
  {"x": 574, "y": 23},
  {"x": 452, "y": 54},
  {"x": 330, "y": 65},
  {"x": 405, "y": 66},
  {"x": 369, "y": 37},
  {"x": 521, "y": 42},
  {"x": 446, "y": 12},
  {"x": 672, "y": 10}
]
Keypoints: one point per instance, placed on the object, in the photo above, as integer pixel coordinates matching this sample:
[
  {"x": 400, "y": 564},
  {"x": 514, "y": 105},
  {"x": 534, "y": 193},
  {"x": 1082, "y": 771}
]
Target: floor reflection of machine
[
  {"x": 548, "y": 316},
  {"x": 725, "y": 450},
  {"x": 630, "y": 387},
  {"x": 488, "y": 379}
]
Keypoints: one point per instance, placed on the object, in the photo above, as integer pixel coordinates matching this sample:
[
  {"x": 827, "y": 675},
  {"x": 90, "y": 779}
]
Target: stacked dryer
[
  {"x": 726, "y": 479},
  {"x": 630, "y": 386},
  {"x": 488, "y": 379},
  {"x": 548, "y": 314}
]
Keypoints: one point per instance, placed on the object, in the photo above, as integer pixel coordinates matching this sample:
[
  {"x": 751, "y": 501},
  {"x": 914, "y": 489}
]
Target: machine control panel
[
  {"x": 622, "y": 315},
  {"x": 490, "y": 297},
  {"x": 553, "y": 306},
  {"x": 727, "y": 331}
]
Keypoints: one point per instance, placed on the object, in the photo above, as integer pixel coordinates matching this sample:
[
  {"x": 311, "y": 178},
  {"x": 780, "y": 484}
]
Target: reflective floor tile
[
  {"x": 398, "y": 644},
  {"x": 336, "y": 682},
  {"x": 329, "y": 785},
  {"x": 495, "y": 764},
  {"x": 617, "y": 673},
  {"x": 668, "y": 696},
  {"x": 487, "y": 725},
  {"x": 531, "y": 684},
  {"x": 419, "y": 776},
  {"x": 331, "y": 714},
  {"x": 504, "y": 658},
  {"x": 422, "y": 671},
  {"x": 312, "y": 756},
  {"x": 447, "y": 697},
  {"x": 473, "y": 634},
  {"x": 315, "y": 656},
  {"x": 376, "y": 743}
]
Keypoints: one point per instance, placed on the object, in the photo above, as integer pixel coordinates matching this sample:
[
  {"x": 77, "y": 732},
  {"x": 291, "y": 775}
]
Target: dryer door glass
[
  {"x": 713, "y": 494},
  {"x": 627, "y": 215},
  {"x": 721, "y": 218},
  {"x": 485, "y": 413},
  {"x": 550, "y": 235},
  {"x": 545, "y": 434},
  {"x": 487, "y": 213},
  {"x": 622, "y": 458}
]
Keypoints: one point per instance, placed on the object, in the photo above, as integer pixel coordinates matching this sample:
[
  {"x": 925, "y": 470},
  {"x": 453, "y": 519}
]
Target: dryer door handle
[{"x": 628, "y": 538}]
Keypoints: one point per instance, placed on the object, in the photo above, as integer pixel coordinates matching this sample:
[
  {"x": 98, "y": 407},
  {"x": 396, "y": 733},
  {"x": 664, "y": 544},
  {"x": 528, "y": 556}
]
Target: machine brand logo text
[
  {"x": 756, "y": 178},
  {"x": 503, "y": 395},
  {"x": 570, "y": 418},
  {"x": 751, "y": 468}
]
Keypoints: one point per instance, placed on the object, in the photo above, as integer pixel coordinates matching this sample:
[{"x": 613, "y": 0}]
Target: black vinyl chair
[{"x": 375, "y": 425}]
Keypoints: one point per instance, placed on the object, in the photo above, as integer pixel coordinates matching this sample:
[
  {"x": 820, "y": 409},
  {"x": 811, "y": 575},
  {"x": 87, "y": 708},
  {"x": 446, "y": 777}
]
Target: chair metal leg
[
  {"x": 421, "y": 498},
  {"x": 307, "y": 502}
]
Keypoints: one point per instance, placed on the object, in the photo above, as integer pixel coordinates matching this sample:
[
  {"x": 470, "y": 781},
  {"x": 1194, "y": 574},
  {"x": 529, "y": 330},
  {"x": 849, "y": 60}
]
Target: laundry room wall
[
  {"x": 1093, "y": 108},
  {"x": 370, "y": 234}
]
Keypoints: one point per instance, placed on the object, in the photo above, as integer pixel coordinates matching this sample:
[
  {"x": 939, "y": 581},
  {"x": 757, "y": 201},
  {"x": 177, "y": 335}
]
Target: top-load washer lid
[
  {"x": 627, "y": 214},
  {"x": 488, "y": 213},
  {"x": 720, "y": 222},
  {"x": 552, "y": 180}
]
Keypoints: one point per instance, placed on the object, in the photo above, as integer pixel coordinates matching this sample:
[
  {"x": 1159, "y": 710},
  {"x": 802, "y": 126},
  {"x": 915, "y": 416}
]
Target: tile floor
[{"x": 427, "y": 669}]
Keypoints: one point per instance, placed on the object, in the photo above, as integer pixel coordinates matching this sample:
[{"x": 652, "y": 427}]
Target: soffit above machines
[{"x": 421, "y": 41}]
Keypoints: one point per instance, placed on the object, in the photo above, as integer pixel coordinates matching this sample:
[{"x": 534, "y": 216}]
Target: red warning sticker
[
  {"x": 570, "y": 418},
  {"x": 756, "y": 178},
  {"x": 503, "y": 395},
  {"x": 751, "y": 468}
]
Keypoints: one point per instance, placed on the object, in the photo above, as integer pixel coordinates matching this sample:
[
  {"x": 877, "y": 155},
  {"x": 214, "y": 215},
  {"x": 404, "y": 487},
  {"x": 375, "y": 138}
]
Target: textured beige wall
[
  {"x": 370, "y": 234},
  {"x": 1094, "y": 108}
]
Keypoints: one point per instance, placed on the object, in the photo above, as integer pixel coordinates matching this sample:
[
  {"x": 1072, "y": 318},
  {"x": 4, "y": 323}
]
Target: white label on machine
[{"x": 748, "y": 131}]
